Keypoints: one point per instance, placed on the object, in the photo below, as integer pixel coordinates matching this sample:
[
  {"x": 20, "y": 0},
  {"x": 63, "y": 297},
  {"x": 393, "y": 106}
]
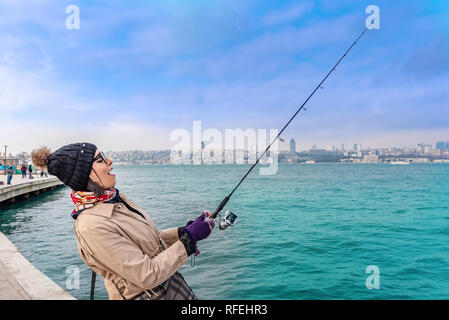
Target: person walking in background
[
  {"x": 10, "y": 173},
  {"x": 43, "y": 173},
  {"x": 24, "y": 171},
  {"x": 30, "y": 170}
]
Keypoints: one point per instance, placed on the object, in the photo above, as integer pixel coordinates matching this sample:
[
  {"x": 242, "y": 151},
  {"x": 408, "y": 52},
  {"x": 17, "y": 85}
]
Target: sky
[{"x": 135, "y": 71}]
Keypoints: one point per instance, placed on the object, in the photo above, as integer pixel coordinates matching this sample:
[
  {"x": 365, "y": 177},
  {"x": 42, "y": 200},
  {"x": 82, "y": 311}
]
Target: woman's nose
[{"x": 109, "y": 162}]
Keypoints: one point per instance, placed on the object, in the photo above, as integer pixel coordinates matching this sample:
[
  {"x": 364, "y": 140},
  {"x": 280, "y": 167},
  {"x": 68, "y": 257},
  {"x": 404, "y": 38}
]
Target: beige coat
[{"x": 125, "y": 249}]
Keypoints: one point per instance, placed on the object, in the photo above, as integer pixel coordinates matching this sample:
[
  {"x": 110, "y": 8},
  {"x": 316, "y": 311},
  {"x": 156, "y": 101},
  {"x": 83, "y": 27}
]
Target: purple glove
[{"x": 200, "y": 228}]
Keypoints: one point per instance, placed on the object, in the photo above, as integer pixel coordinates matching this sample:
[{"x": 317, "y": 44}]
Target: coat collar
[
  {"x": 101, "y": 209},
  {"x": 105, "y": 209},
  {"x": 132, "y": 205}
]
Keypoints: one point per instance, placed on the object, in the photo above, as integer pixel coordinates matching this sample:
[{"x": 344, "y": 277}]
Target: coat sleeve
[
  {"x": 121, "y": 256},
  {"x": 170, "y": 236}
]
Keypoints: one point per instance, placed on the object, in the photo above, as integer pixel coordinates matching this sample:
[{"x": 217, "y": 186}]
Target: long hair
[{"x": 95, "y": 188}]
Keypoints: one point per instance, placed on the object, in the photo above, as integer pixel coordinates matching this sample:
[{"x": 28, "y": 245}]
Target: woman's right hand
[{"x": 200, "y": 228}]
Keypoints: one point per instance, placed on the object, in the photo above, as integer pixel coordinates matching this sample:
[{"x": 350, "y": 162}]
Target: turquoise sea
[{"x": 307, "y": 232}]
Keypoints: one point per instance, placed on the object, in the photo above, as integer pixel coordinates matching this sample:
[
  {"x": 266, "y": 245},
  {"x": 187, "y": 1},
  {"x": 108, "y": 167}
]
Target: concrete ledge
[{"x": 20, "y": 280}]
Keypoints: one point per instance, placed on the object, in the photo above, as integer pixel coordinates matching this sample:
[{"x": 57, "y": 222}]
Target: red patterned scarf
[{"x": 85, "y": 199}]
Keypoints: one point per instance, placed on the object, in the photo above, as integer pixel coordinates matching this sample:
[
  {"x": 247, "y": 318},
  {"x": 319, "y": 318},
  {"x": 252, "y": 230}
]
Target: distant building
[
  {"x": 420, "y": 148},
  {"x": 417, "y": 160},
  {"x": 292, "y": 147},
  {"x": 252, "y": 154},
  {"x": 357, "y": 147},
  {"x": 441, "y": 160},
  {"x": 370, "y": 158},
  {"x": 342, "y": 147},
  {"x": 442, "y": 145},
  {"x": 10, "y": 161}
]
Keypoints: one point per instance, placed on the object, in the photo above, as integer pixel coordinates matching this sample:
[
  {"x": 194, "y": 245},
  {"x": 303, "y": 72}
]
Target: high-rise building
[
  {"x": 292, "y": 147},
  {"x": 342, "y": 147},
  {"x": 442, "y": 145},
  {"x": 357, "y": 147}
]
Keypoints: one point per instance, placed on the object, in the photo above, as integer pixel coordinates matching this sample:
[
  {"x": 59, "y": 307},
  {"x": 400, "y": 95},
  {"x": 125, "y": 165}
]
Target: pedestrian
[
  {"x": 30, "y": 170},
  {"x": 116, "y": 238},
  {"x": 10, "y": 173},
  {"x": 43, "y": 173},
  {"x": 24, "y": 171}
]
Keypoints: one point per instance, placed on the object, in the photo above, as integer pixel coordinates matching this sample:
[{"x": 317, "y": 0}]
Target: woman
[
  {"x": 30, "y": 170},
  {"x": 116, "y": 238}
]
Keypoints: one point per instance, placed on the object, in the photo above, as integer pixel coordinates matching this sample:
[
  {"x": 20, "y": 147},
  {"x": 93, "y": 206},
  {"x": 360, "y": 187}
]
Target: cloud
[
  {"x": 265, "y": 54},
  {"x": 32, "y": 16},
  {"x": 431, "y": 60},
  {"x": 26, "y": 92},
  {"x": 287, "y": 14},
  {"x": 154, "y": 40},
  {"x": 107, "y": 135}
]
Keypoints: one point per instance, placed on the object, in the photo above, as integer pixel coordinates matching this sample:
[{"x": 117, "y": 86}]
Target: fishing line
[{"x": 230, "y": 218}]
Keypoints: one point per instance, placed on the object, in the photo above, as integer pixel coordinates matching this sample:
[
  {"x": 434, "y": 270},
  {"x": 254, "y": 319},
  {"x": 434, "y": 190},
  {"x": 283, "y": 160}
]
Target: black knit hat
[{"x": 72, "y": 164}]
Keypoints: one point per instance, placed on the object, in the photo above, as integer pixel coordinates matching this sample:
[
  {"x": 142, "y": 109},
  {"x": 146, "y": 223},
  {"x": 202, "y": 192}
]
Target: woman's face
[{"x": 101, "y": 172}]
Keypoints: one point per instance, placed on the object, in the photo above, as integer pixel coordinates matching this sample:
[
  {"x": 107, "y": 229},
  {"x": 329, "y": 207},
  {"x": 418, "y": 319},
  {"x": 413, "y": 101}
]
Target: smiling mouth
[{"x": 111, "y": 174}]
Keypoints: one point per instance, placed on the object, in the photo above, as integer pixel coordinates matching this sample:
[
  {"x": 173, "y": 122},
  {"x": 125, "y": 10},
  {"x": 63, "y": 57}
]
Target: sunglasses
[{"x": 101, "y": 156}]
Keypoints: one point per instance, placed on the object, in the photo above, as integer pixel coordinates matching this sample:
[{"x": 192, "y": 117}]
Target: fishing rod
[{"x": 230, "y": 218}]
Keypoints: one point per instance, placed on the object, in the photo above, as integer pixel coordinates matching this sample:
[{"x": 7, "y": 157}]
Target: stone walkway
[
  {"x": 20, "y": 280},
  {"x": 17, "y": 179},
  {"x": 9, "y": 288}
]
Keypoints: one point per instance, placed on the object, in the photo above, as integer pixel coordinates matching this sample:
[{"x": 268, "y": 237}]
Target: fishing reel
[{"x": 229, "y": 220}]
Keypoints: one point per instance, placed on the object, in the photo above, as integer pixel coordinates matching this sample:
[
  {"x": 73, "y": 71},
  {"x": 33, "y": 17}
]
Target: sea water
[{"x": 310, "y": 231}]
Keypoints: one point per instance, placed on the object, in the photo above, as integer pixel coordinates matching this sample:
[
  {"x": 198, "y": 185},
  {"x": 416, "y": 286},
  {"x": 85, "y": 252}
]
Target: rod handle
[{"x": 220, "y": 206}]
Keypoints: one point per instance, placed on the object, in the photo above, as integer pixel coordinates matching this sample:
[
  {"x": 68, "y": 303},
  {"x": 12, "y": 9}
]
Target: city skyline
[
  {"x": 440, "y": 144},
  {"x": 424, "y": 153},
  {"x": 24, "y": 144}
]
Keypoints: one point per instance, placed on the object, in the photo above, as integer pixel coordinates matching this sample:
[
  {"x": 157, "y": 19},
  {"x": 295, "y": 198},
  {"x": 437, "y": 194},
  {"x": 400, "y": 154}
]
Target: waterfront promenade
[
  {"x": 24, "y": 188},
  {"x": 20, "y": 280}
]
